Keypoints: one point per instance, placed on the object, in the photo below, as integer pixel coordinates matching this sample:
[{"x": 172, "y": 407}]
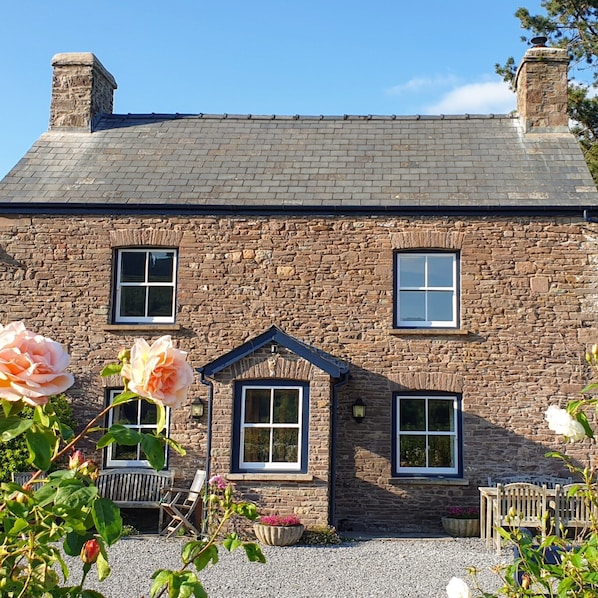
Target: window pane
[
  {"x": 412, "y": 306},
  {"x": 440, "y": 418},
  {"x": 286, "y": 406},
  {"x": 440, "y": 306},
  {"x": 413, "y": 451},
  {"x": 412, "y": 271},
  {"x": 126, "y": 414},
  {"x": 256, "y": 448},
  {"x": 413, "y": 415},
  {"x": 160, "y": 266},
  {"x": 257, "y": 406},
  {"x": 132, "y": 301},
  {"x": 149, "y": 413},
  {"x": 440, "y": 271},
  {"x": 159, "y": 301},
  {"x": 132, "y": 266},
  {"x": 440, "y": 452},
  {"x": 285, "y": 445}
]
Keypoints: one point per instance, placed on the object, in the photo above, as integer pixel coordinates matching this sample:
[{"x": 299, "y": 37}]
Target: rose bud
[
  {"x": 90, "y": 551},
  {"x": 76, "y": 459}
]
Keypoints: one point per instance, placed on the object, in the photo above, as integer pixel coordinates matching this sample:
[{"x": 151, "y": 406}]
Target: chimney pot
[{"x": 539, "y": 41}]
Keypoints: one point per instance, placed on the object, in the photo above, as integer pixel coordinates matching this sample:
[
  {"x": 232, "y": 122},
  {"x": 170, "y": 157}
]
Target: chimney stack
[
  {"x": 82, "y": 89},
  {"x": 541, "y": 84}
]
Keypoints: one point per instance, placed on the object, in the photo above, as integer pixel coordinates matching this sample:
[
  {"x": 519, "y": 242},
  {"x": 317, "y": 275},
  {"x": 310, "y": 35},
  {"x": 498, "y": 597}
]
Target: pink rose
[
  {"x": 32, "y": 367},
  {"x": 159, "y": 372}
]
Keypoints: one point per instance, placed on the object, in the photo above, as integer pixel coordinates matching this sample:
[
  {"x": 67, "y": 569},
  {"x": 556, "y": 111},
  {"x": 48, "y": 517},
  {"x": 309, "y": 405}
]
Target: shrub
[{"x": 15, "y": 455}]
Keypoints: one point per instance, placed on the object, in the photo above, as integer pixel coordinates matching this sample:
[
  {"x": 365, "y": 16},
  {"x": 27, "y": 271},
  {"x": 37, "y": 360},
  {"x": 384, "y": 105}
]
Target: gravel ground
[{"x": 398, "y": 567}]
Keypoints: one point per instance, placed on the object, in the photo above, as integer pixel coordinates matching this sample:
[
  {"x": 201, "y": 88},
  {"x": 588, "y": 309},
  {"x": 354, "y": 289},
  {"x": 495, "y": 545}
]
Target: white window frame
[
  {"x": 427, "y": 289},
  {"x": 115, "y": 462},
  {"x": 119, "y": 285},
  {"x": 455, "y": 433},
  {"x": 270, "y": 465}
]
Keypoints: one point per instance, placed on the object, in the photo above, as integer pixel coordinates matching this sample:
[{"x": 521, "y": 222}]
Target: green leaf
[
  {"x": 106, "y": 440},
  {"x": 107, "y": 519},
  {"x": 153, "y": 447},
  {"x": 161, "y": 578},
  {"x": 207, "y": 556},
  {"x": 103, "y": 566},
  {"x": 232, "y": 542},
  {"x": 247, "y": 510},
  {"x": 583, "y": 420},
  {"x": 73, "y": 495},
  {"x": 13, "y": 426},
  {"x": 11, "y": 407},
  {"x": 254, "y": 552},
  {"x": 125, "y": 436},
  {"x": 176, "y": 446},
  {"x": 124, "y": 397},
  {"x": 111, "y": 369},
  {"x": 91, "y": 594},
  {"x": 41, "y": 443},
  {"x": 161, "y": 417},
  {"x": 73, "y": 543}
]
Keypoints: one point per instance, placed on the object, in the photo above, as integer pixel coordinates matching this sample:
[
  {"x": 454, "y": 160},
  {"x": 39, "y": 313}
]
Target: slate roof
[{"x": 243, "y": 162}]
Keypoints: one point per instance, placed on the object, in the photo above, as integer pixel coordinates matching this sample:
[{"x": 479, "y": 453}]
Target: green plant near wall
[{"x": 15, "y": 454}]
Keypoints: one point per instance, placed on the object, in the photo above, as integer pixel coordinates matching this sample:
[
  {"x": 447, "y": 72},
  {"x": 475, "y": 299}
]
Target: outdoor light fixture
[
  {"x": 358, "y": 410},
  {"x": 197, "y": 409}
]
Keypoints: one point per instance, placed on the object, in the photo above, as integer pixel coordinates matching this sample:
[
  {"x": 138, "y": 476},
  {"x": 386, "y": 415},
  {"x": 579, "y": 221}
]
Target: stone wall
[{"x": 527, "y": 311}]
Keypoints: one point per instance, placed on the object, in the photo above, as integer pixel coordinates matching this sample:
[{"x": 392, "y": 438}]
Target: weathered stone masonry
[{"x": 524, "y": 282}]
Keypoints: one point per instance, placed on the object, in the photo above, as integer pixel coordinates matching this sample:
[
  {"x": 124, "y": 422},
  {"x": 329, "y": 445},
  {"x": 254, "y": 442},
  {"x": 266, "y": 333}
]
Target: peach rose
[
  {"x": 159, "y": 372},
  {"x": 32, "y": 367}
]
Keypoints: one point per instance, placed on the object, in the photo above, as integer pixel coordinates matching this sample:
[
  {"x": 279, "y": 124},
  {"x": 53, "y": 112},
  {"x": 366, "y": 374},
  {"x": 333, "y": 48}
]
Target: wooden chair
[
  {"x": 179, "y": 505},
  {"x": 520, "y": 505},
  {"x": 573, "y": 510}
]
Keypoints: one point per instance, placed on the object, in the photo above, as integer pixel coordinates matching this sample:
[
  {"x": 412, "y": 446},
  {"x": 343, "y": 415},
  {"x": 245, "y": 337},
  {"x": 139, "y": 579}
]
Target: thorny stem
[{"x": 227, "y": 515}]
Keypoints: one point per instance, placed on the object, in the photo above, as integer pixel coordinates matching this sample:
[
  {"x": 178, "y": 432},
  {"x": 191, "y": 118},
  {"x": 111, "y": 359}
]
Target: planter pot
[
  {"x": 274, "y": 535},
  {"x": 467, "y": 528}
]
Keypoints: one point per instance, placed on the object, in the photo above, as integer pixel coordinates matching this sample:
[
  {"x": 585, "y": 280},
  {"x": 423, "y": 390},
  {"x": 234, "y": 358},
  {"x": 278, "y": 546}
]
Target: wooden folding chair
[
  {"x": 179, "y": 505},
  {"x": 520, "y": 505}
]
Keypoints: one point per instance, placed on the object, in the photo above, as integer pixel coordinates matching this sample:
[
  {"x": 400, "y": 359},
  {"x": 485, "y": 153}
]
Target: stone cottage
[{"x": 379, "y": 308}]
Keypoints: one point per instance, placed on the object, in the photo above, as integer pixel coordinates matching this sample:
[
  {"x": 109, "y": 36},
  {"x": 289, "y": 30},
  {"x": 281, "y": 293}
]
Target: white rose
[
  {"x": 457, "y": 588},
  {"x": 562, "y": 422}
]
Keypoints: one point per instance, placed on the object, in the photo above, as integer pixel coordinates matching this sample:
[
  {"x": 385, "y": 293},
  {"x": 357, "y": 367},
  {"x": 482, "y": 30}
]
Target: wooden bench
[{"x": 134, "y": 488}]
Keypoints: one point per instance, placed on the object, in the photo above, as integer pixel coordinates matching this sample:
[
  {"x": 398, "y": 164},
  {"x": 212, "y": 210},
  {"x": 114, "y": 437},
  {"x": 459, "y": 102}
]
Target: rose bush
[{"x": 65, "y": 514}]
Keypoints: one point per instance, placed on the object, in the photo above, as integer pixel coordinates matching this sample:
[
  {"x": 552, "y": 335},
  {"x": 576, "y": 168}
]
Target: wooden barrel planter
[{"x": 464, "y": 528}]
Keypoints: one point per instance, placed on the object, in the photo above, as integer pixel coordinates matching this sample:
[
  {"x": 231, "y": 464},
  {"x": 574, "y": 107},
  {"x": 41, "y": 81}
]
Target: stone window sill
[
  {"x": 150, "y": 327},
  {"x": 429, "y": 332},
  {"x": 269, "y": 477},
  {"x": 430, "y": 481}
]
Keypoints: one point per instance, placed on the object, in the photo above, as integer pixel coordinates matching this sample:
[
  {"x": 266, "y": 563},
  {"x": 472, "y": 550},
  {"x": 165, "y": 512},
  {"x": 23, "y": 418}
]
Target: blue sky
[{"x": 261, "y": 57}]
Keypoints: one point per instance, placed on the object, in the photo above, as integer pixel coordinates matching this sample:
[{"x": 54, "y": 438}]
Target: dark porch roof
[{"x": 326, "y": 362}]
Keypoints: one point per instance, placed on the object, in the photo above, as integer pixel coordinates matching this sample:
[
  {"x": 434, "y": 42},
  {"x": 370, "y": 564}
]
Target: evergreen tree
[{"x": 570, "y": 24}]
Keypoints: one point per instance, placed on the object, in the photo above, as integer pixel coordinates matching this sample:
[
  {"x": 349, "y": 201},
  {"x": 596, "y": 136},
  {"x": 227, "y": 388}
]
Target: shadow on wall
[{"x": 370, "y": 498}]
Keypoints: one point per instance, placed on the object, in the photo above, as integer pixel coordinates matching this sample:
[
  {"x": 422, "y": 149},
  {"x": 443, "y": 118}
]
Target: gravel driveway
[{"x": 397, "y": 567}]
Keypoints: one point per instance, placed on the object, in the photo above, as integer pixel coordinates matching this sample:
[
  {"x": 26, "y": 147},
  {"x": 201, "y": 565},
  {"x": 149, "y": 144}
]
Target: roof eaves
[{"x": 326, "y": 362}]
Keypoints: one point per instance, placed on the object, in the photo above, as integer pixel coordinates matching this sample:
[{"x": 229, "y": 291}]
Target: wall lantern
[
  {"x": 197, "y": 409},
  {"x": 358, "y": 410}
]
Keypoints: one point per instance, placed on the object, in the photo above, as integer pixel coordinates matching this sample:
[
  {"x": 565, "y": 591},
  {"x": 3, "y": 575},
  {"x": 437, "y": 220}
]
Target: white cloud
[
  {"x": 423, "y": 84},
  {"x": 488, "y": 97}
]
